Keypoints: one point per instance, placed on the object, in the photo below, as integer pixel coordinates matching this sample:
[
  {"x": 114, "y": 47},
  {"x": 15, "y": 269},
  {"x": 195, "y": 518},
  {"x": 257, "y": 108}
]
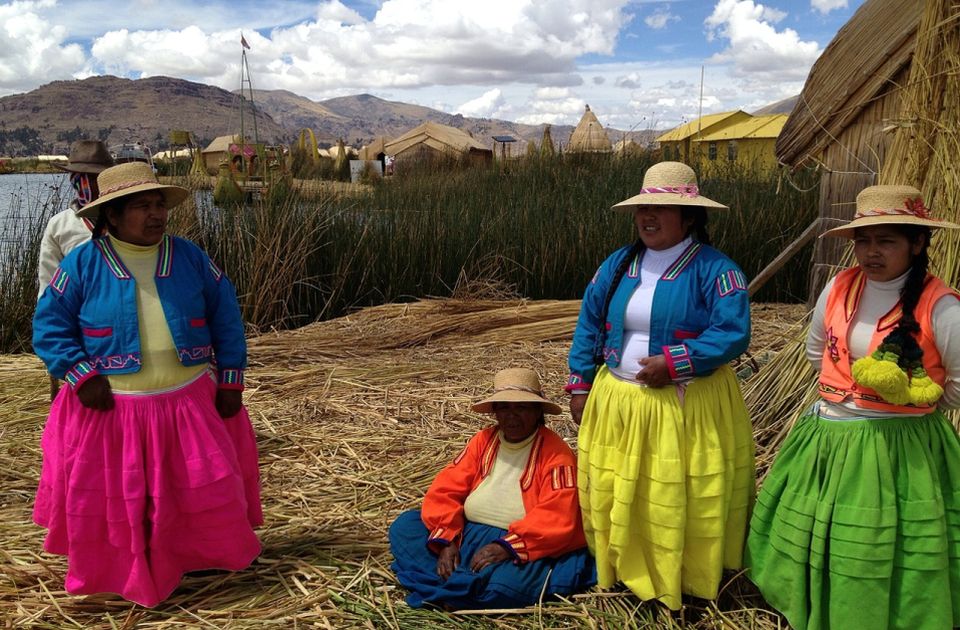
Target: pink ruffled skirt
[{"x": 137, "y": 496}]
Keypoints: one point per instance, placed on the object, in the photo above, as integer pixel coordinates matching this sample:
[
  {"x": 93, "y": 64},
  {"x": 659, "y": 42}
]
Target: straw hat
[
  {"x": 878, "y": 205},
  {"x": 87, "y": 156},
  {"x": 128, "y": 179},
  {"x": 516, "y": 385},
  {"x": 669, "y": 184}
]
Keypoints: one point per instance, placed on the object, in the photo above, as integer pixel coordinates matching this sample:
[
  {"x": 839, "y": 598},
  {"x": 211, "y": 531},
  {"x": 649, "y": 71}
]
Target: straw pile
[{"x": 354, "y": 417}]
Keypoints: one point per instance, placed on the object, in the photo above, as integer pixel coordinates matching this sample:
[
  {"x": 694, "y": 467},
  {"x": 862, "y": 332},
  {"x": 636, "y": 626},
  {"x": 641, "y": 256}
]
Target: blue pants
[{"x": 502, "y": 585}]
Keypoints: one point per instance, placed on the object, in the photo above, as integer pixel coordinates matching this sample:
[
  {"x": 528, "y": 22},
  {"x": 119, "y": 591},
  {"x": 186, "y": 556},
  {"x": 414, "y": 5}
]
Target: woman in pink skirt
[{"x": 149, "y": 458}]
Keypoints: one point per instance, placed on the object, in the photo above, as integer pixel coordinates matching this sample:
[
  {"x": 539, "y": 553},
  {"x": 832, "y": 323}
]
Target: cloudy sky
[{"x": 637, "y": 63}]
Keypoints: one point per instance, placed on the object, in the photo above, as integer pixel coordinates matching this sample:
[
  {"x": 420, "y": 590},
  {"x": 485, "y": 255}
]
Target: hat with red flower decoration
[{"x": 878, "y": 205}]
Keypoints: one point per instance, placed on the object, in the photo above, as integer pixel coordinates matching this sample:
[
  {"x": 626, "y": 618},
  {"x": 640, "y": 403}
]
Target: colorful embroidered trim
[
  {"x": 517, "y": 545},
  {"x": 527, "y": 477},
  {"x": 596, "y": 274},
  {"x": 217, "y": 274},
  {"x": 194, "y": 354},
  {"x": 489, "y": 455},
  {"x": 562, "y": 477},
  {"x": 609, "y": 353},
  {"x": 165, "y": 257},
  {"x": 575, "y": 381},
  {"x": 679, "y": 360},
  {"x": 59, "y": 280},
  {"x": 231, "y": 377},
  {"x": 437, "y": 535},
  {"x": 116, "y": 361},
  {"x": 634, "y": 270},
  {"x": 681, "y": 263},
  {"x": 730, "y": 282},
  {"x": 459, "y": 458},
  {"x": 852, "y": 301},
  {"x": 79, "y": 373},
  {"x": 890, "y": 319},
  {"x": 112, "y": 259}
]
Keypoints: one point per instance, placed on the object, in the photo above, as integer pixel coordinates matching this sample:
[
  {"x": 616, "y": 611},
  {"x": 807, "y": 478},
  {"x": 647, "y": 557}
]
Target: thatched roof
[
  {"x": 221, "y": 144},
  {"x": 436, "y": 136},
  {"x": 375, "y": 148},
  {"x": 857, "y": 66},
  {"x": 752, "y": 128},
  {"x": 703, "y": 125},
  {"x": 589, "y": 136}
]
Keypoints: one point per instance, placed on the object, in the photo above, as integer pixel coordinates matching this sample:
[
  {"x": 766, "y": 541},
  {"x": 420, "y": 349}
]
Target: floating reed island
[{"x": 354, "y": 417}]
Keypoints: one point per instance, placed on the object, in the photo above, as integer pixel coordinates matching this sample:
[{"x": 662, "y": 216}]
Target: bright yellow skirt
[{"x": 666, "y": 484}]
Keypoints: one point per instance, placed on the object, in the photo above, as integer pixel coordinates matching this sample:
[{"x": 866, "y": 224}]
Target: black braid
[
  {"x": 699, "y": 228},
  {"x": 100, "y": 225},
  {"x": 902, "y": 339},
  {"x": 635, "y": 251}
]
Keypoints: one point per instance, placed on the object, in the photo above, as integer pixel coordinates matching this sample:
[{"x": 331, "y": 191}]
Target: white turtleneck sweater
[
  {"x": 636, "y": 320},
  {"x": 877, "y": 300}
]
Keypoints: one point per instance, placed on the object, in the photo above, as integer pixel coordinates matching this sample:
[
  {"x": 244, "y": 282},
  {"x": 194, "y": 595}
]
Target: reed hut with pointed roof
[
  {"x": 589, "y": 136},
  {"x": 433, "y": 141},
  {"x": 855, "y": 96},
  {"x": 376, "y": 150},
  {"x": 218, "y": 151}
]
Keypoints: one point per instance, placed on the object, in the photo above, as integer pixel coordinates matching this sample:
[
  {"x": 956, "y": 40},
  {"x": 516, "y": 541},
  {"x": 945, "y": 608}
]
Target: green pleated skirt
[
  {"x": 666, "y": 480},
  {"x": 857, "y": 525}
]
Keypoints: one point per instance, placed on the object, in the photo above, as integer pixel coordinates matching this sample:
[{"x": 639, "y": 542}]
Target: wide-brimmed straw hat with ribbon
[
  {"x": 128, "y": 179},
  {"x": 87, "y": 156},
  {"x": 516, "y": 385},
  {"x": 669, "y": 184},
  {"x": 883, "y": 205}
]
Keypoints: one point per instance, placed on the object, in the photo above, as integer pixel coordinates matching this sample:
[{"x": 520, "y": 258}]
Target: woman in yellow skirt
[{"x": 666, "y": 457}]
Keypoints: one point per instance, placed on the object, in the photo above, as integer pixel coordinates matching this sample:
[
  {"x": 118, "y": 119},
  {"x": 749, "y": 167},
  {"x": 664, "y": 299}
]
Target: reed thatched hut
[
  {"x": 589, "y": 136},
  {"x": 853, "y": 99},
  {"x": 218, "y": 151},
  {"x": 436, "y": 142}
]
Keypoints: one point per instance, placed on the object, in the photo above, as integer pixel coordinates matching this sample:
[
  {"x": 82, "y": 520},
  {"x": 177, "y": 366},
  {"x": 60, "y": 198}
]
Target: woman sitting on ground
[{"x": 500, "y": 525}]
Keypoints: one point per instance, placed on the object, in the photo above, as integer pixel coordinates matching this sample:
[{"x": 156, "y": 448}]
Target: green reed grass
[{"x": 538, "y": 226}]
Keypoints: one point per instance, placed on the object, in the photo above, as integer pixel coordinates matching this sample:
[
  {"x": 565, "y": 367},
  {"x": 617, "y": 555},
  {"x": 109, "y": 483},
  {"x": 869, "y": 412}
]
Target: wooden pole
[{"x": 791, "y": 250}]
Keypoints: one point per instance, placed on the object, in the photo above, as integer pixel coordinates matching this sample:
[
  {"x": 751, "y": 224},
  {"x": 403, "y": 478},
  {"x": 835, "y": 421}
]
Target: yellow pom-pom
[
  {"x": 923, "y": 389},
  {"x": 884, "y": 377},
  {"x": 860, "y": 366}
]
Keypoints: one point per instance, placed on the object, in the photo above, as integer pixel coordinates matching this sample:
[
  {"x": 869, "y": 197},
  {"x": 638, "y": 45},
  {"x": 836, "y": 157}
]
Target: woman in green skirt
[
  {"x": 665, "y": 462},
  {"x": 857, "y": 524}
]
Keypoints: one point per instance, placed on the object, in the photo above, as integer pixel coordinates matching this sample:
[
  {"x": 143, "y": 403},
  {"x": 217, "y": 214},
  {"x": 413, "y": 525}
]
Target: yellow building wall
[{"x": 750, "y": 154}]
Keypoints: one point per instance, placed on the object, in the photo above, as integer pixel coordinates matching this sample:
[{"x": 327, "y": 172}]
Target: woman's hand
[
  {"x": 489, "y": 554},
  {"x": 654, "y": 372},
  {"x": 229, "y": 402},
  {"x": 449, "y": 560},
  {"x": 577, "y": 403},
  {"x": 95, "y": 393}
]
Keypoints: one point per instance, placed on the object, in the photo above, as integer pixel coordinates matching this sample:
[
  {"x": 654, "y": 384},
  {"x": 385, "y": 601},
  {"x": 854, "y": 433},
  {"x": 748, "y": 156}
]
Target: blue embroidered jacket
[
  {"x": 86, "y": 321},
  {"x": 701, "y": 315}
]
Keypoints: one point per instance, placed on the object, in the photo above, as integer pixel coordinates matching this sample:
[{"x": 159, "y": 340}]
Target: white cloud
[
  {"x": 757, "y": 52},
  {"x": 826, "y": 6},
  {"x": 486, "y": 105},
  {"x": 630, "y": 81},
  {"x": 33, "y": 51},
  {"x": 660, "y": 18}
]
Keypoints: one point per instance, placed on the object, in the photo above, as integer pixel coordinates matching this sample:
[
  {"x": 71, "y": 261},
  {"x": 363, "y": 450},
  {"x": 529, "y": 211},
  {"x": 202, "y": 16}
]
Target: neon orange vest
[{"x": 836, "y": 381}]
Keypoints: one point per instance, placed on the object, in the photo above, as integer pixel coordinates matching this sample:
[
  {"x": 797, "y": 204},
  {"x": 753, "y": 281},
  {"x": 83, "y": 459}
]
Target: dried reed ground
[{"x": 354, "y": 417}]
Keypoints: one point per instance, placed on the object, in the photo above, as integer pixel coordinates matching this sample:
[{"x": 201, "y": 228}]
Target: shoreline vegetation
[{"x": 535, "y": 227}]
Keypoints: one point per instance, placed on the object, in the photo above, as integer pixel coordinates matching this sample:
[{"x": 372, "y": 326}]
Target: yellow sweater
[
  {"x": 497, "y": 501},
  {"x": 161, "y": 367}
]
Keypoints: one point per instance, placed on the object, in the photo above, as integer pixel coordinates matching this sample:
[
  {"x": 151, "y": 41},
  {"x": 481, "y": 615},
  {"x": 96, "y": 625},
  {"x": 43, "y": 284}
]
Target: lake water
[{"x": 32, "y": 197}]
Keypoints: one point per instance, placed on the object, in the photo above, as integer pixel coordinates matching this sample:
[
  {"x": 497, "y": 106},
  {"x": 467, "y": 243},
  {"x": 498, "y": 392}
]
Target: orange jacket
[
  {"x": 836, "y": 380},
  {"x": 551, "y": 526}
]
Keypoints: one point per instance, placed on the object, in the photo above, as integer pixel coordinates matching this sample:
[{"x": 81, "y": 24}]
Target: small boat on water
[{"x": 131, "y": 152}]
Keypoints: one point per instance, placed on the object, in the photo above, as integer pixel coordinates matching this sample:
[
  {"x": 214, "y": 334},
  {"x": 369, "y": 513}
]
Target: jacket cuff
[
  {"x": 515, "y": 545},
  {"x": 230, "y": 379},
  {"x": 440, "y": 538},
  {"x": 575, "y": 381},
  {"x": 678, "y": 361},
  {"x": 80, "y": 374}
]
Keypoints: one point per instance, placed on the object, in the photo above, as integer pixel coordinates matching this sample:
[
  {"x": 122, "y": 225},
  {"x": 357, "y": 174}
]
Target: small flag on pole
[{"x": 243, "y": 42}]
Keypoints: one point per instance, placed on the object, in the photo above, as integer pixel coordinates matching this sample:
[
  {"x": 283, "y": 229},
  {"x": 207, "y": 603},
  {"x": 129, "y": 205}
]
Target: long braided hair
[
  {"x": 698, "y": 216},
  {"x": 903, "y": 339}
]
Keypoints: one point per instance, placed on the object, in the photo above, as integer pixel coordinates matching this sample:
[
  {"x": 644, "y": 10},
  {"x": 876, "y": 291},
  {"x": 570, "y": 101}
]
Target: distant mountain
[
  {"x": 46, "y": 120},
  {"x": 780, "y": 107},
  {"x": 49, "y": 118}
]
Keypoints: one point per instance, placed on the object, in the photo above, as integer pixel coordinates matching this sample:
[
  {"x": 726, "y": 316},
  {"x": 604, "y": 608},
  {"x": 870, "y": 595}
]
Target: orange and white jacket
[{"x": 551, "y": 526}]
